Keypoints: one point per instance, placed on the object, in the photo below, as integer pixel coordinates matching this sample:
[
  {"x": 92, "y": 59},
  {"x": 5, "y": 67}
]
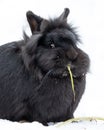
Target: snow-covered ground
[
  {"x": 88, "y": 16},
  {"x": 85, "y": 125}
]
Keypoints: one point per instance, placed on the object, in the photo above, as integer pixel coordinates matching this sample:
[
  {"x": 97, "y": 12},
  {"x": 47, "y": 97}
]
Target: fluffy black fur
[{"x": 34, "y": 81}]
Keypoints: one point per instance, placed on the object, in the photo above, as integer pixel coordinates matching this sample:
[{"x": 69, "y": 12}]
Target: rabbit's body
[{"x": 35, "y": 84}]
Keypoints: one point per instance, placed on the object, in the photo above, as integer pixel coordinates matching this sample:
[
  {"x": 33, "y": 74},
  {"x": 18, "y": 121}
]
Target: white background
[{"x": 88, "y": 16}]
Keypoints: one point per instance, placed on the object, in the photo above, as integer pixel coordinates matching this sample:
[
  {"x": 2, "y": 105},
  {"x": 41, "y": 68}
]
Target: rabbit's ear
[
  {"x": 64, "y": 15},
  {"x": 34, "y": 21},
  {"x": 44, "y": 24}
]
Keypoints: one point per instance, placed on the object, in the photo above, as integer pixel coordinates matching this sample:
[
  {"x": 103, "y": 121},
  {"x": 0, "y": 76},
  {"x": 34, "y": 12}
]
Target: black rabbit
[{"x": 35, "y": 83}]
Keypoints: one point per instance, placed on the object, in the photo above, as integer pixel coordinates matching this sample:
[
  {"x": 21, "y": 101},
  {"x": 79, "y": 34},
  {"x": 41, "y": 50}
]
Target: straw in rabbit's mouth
[{"x": 72, "y": 81}]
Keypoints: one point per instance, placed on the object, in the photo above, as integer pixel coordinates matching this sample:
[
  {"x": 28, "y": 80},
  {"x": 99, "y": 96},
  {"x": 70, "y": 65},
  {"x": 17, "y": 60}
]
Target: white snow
[{"x": 88, "y": 15}]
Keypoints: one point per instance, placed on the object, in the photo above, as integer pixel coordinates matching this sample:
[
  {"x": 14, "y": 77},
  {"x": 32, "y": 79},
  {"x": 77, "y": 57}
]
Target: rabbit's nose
[{"x": 72, "y": 54}]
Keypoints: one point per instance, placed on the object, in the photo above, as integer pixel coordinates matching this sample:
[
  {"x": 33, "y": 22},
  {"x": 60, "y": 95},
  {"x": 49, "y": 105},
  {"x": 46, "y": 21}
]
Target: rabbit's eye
[{"x": 52, "y": 45}]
